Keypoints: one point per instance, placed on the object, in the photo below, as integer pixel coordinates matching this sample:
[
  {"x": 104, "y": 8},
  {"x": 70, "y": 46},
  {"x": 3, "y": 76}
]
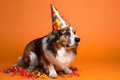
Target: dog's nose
[{"x": 77, "y": 39}]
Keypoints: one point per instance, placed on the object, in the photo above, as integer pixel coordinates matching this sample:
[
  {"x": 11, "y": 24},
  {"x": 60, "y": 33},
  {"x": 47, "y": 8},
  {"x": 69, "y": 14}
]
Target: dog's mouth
[
  {"x": 72, "y": 45},
  {"x": 68, "y": 47}
]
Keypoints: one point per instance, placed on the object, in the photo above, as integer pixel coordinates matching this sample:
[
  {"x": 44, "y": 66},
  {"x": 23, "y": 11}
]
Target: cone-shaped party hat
[{"x": 58, "y": 22}]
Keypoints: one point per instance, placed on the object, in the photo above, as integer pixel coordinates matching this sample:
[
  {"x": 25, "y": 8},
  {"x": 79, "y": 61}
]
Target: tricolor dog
[{"x": 53, "y": 52}]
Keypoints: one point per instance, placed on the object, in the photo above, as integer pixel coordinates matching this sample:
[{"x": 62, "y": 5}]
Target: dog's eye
[{"x": 67, "y": 33}]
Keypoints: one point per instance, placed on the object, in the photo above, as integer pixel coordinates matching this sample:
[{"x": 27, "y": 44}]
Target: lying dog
[{"x": 53, "y": 52}]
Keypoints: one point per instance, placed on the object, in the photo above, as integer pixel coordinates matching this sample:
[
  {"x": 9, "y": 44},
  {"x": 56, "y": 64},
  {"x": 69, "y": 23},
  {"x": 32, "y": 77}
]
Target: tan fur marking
[{"x": 61, "y": 42}]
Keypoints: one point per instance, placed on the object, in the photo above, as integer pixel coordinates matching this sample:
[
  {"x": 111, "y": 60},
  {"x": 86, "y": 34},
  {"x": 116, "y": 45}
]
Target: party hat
[{"x": 58, "y": 22}]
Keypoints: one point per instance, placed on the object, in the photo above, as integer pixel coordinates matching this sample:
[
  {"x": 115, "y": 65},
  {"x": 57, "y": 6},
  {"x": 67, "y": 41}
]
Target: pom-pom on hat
[{"x": 58, "y": 22}]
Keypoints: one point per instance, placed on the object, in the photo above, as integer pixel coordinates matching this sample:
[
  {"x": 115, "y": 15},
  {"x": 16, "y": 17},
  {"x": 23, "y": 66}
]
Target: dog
[{"x": 53, "y": 52}]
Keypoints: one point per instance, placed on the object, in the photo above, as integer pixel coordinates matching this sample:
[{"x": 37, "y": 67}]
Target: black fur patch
[
  {"x": 52, "y": 42},
  {"x": 39, "y": 52},
  {"x": 38, "y": 47}
]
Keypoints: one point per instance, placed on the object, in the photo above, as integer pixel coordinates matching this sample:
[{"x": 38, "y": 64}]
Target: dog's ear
[
  {"x": 52, "y": 35},
  {"x": 55, "y": 35},
  {"x": 58, "y": 34}
]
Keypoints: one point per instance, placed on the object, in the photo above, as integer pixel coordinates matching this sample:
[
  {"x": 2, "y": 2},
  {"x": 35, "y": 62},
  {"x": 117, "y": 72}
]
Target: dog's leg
[
  {"x": 33, "y": 60},
  {"x": 52, "y": 72},
  {"x": 67, "y": 71}
]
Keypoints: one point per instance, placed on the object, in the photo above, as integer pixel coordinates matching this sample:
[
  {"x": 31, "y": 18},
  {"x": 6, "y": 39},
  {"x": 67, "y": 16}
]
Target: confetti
[{"x": 36, "y": 73}]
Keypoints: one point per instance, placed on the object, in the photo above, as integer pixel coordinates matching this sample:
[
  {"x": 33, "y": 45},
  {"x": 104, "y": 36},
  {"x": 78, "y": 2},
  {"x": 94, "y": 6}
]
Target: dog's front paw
[
  {"x": 68, "y": 71},
  {"x": 53, "y": 75},
  {"x": 52, "y": 72}
]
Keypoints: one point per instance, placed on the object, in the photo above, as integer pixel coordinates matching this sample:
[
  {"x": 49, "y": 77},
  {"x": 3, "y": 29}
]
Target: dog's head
[{"x": 65, "y": 37}]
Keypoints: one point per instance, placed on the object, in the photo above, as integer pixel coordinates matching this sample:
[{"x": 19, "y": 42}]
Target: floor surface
[{"x": 88, "y": 70}]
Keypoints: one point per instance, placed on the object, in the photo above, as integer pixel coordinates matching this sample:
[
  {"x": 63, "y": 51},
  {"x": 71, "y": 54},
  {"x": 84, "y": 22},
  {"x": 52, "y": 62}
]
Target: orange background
[{"x": 97, "y": 23}]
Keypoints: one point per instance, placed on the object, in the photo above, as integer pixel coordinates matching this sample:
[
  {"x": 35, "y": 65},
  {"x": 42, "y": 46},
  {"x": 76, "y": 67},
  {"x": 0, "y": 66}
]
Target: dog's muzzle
[{"x": 76, "y": 40}]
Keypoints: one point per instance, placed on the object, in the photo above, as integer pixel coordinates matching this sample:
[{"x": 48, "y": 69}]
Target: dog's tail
[{"x": 19, "y": 61}]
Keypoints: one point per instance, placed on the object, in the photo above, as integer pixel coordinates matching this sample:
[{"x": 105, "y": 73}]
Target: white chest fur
[{"x": 64, "y": 56}]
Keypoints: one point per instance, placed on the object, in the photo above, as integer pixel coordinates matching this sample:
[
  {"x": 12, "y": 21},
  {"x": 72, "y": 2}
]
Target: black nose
[{"x": 77, "y": 39}]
